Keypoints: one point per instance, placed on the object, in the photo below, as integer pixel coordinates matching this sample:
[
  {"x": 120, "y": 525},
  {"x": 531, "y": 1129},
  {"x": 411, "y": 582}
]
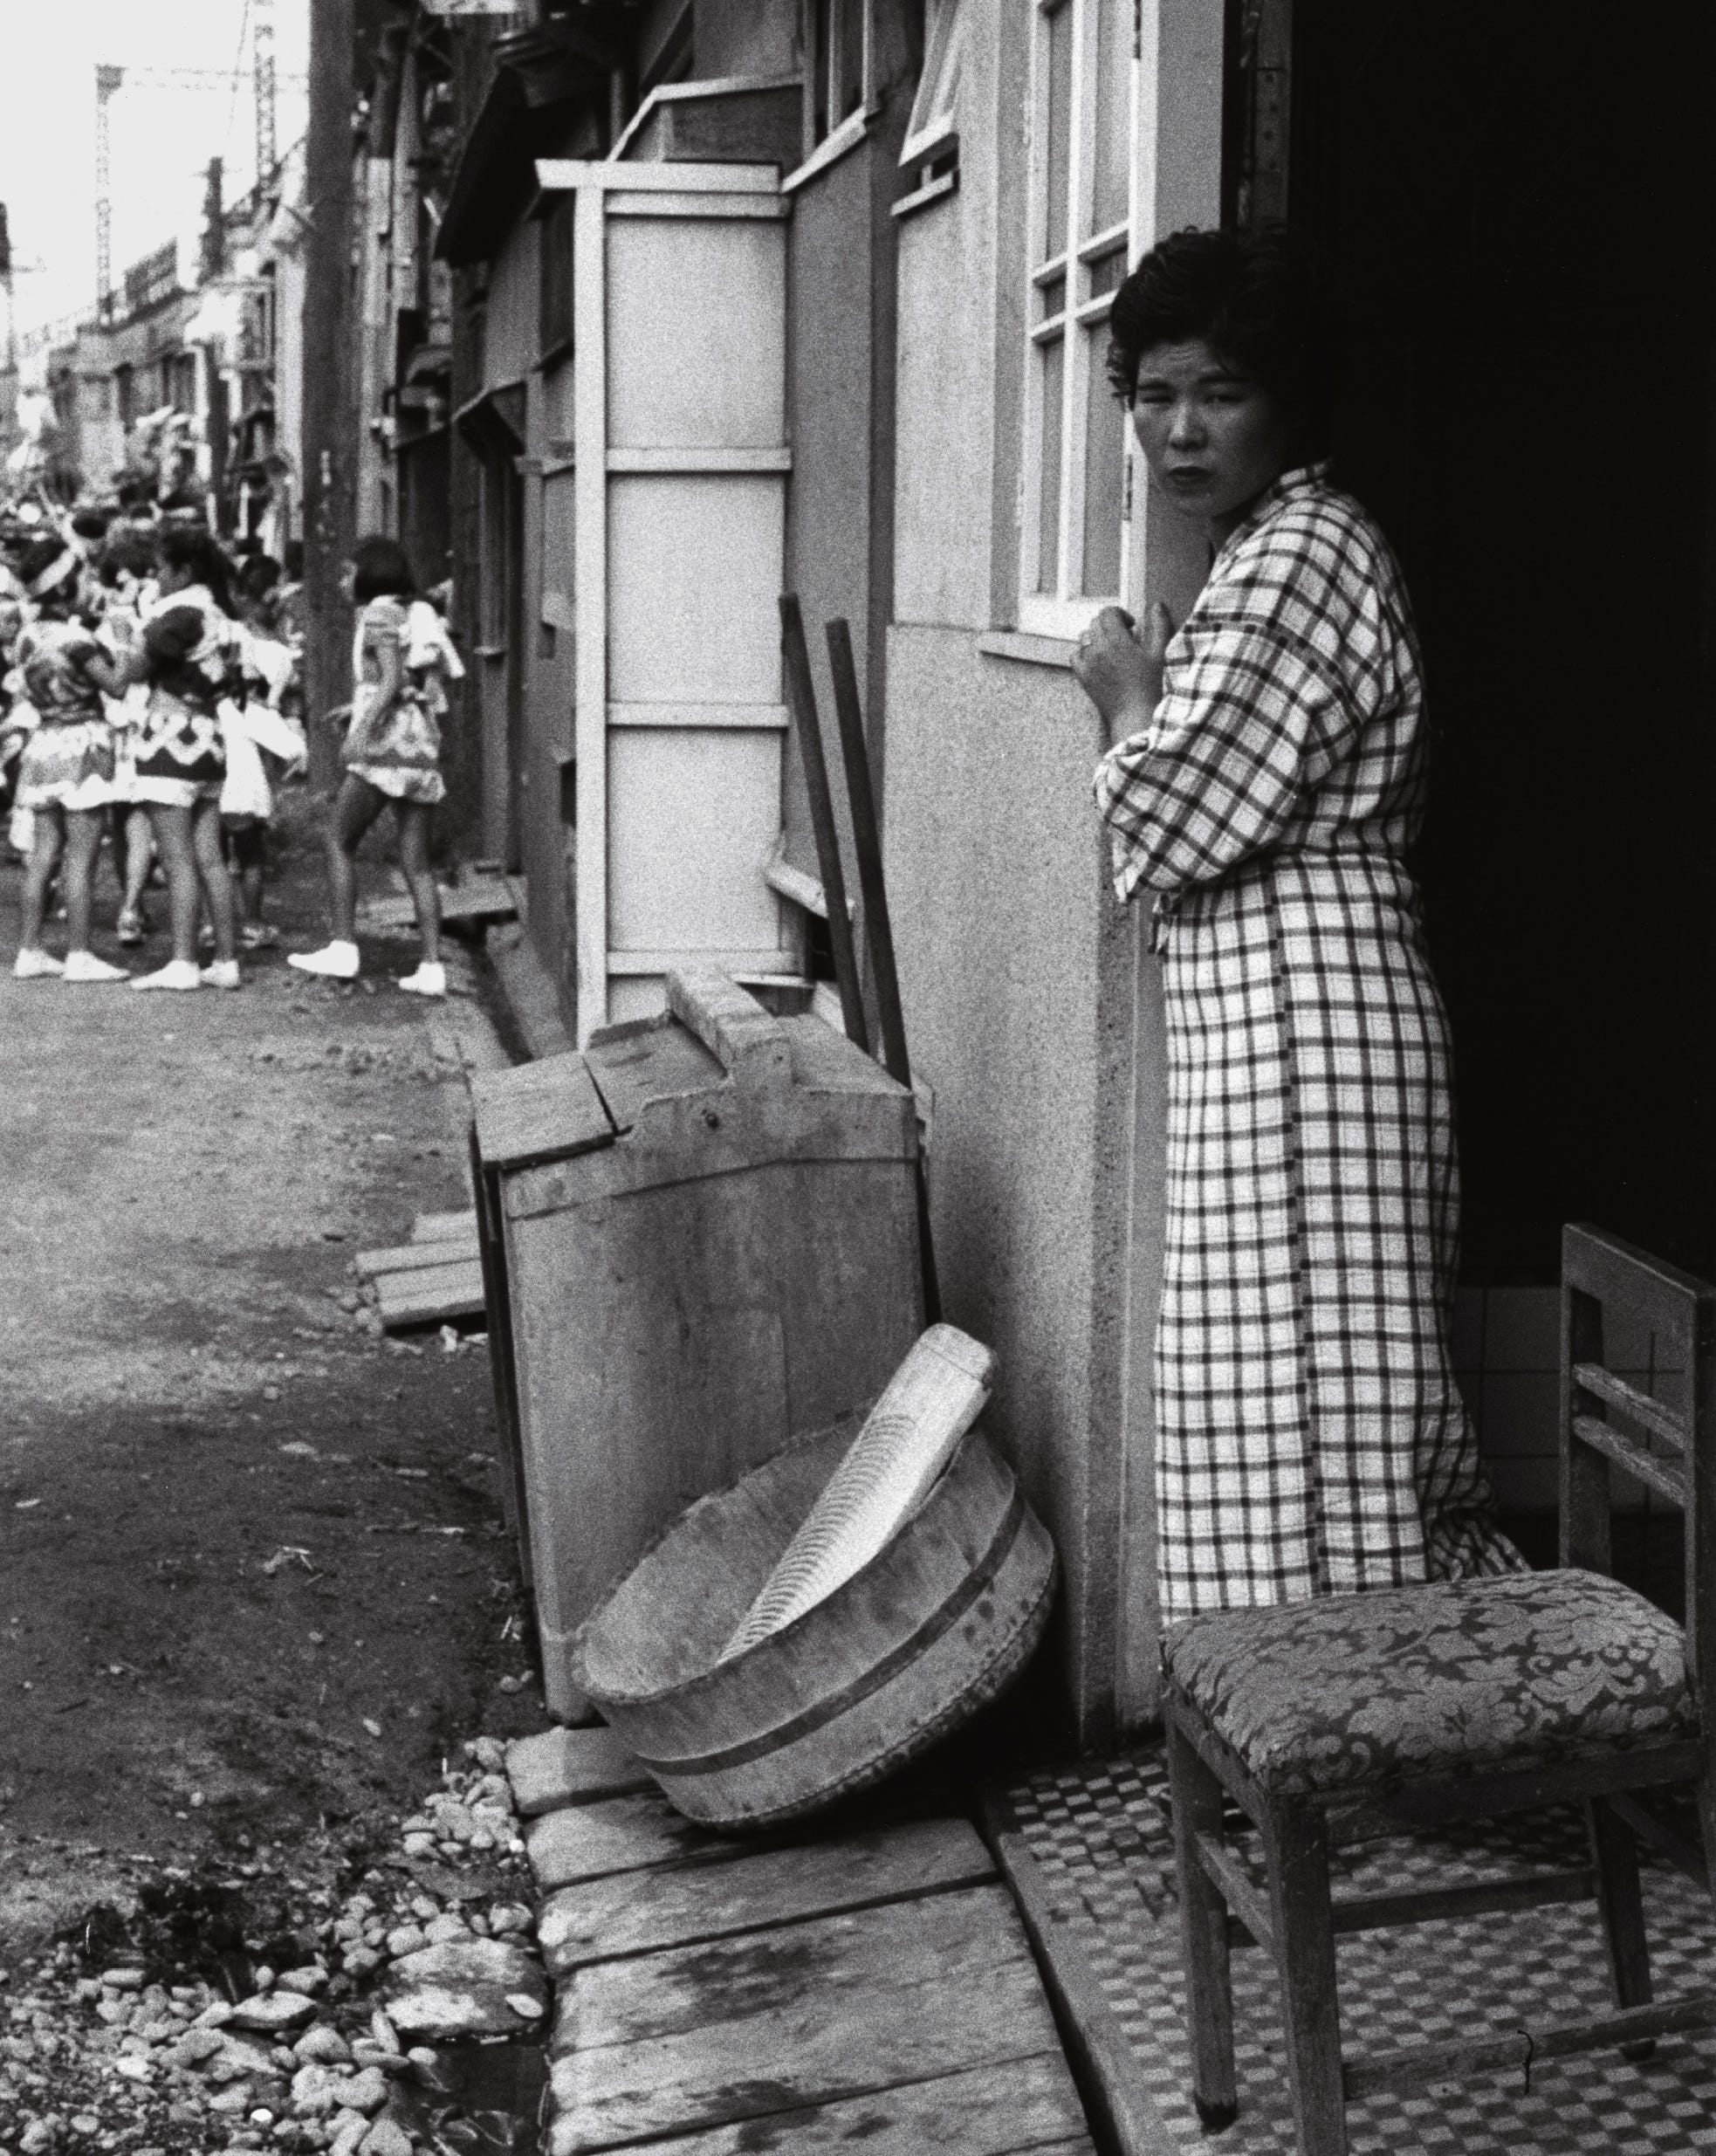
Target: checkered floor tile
[{"x": 1101, "y": 1839}]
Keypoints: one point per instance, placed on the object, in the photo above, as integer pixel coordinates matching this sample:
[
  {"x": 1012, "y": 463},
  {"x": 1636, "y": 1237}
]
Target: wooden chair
[{"x": 1358, "y": 1715}]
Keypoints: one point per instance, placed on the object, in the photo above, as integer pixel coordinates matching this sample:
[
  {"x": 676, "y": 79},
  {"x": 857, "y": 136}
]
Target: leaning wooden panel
[
  {"x": 808, "y": 2013},
  {"x": 699, "y": 1256}
]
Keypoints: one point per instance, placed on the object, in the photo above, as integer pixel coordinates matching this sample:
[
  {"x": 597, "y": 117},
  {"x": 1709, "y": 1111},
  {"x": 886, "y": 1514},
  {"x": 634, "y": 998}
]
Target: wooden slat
[
  {"x": 625, "y": 1834},
  {"x": 606, "y": 1919},
  {"x": 433, "y": 1297},
  {"x": 808, "y": 2014},
  {"x": 1236, "y": 1887},
  {"x": 1026, "y": 2103},
  {"x": 1668, "y": 1481},
  {"x": 1416, "y": 2063},
  {"x": 417, "y": 1257},
  {"x": 1372, "y": 1912},
  {"x": 1628, "y": 1400},
  {"x": 487, "y": 899},
  {"x": 563, "y": 1767},
  {"x": 546, "y": 1110},
  {"x": 1660, "y": 1834},
  {"x": 440, "y": 1228},
  {"x": 1122, "y": 2109}
]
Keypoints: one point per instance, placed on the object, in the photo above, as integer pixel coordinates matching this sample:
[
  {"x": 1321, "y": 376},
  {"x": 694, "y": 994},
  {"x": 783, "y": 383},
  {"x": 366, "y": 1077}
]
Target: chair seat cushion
[{"x": 1414, "y": 1683}]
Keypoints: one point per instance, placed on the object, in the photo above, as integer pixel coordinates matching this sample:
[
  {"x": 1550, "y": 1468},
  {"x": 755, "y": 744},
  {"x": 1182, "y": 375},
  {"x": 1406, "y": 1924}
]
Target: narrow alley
[{"x": 255, "y": 1586}]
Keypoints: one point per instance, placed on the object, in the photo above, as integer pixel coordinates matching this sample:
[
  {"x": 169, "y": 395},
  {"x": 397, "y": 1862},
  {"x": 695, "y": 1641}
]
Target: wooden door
[{"x": 679, "y": 456}]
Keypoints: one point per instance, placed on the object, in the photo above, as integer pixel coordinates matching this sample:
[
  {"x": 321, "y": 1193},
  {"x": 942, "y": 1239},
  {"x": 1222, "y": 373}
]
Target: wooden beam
[{"x": 1415, "y": 2063}]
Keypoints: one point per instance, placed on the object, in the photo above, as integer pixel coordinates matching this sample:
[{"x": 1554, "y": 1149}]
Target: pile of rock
[{"x": 431, "y": 1948}]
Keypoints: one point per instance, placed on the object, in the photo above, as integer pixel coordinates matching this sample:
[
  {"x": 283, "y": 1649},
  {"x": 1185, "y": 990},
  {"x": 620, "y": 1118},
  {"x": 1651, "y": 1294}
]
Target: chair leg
[
  {"x": 1614, "y": 1859},
  {"x": 1298, "y": 1845},
  {"x": 1203, "y": 1948}
]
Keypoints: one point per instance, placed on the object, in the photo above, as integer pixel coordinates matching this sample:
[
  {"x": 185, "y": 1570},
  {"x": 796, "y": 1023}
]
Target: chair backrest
[{"x": 1625, "y": 1312}]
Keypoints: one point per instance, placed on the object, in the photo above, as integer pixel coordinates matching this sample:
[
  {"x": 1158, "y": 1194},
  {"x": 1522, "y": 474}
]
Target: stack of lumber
[
  {"x": 435, "y": 1279},
  {"x": 718, "y": 1994}
]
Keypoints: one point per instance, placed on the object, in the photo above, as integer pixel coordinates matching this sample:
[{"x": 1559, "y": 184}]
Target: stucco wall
[{"x": 1000, "y": 918}]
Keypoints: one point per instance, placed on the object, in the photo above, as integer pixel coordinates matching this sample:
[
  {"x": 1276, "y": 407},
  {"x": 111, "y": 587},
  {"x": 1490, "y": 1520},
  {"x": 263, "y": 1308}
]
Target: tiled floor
[{"x": 1098, "y": 1836}]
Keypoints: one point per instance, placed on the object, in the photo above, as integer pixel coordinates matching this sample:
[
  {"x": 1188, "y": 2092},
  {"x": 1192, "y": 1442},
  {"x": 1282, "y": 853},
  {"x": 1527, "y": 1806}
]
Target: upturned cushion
[{"x": 1412, "y": 1683}]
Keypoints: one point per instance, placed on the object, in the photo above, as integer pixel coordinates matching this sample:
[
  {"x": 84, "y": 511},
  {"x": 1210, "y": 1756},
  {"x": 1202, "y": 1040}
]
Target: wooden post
[
  {"x": 330, "y": 419},
  {"x": 878, "y": 927},
  {"x": 802, "y": 696}
]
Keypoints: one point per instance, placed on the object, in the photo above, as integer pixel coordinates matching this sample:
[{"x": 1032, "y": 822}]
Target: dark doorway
[{"x": 1518, "y": 201}]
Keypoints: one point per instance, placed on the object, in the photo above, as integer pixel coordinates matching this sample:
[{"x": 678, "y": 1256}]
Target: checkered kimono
[{"x": 1311, "y": 1438}]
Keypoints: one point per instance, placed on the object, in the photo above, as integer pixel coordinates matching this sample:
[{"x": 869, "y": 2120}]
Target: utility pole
[
  {"x": 330, "y": 417},
  {"x": 262, "y": 62},
  {"x": 107, "y": 81}
]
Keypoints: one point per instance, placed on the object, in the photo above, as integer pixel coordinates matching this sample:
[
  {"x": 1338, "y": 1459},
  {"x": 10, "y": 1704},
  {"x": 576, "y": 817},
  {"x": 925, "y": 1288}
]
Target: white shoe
[
  {"x": 83, "y": 965},
  {"x": 222, "y": 973},
  {"x": 176, "y": 973},
  {"x": 35, "y": 966},
  {"x": 338, "y": 961},
  {"x": 427, "y": 980}
]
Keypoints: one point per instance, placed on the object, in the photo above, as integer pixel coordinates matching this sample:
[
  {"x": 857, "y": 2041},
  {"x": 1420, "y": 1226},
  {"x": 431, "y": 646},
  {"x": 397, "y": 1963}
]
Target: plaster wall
[
  {"x": 759, "y": 39},
  {"x": 1005, "y": 942},
  {"x": 831, "y": 381}
]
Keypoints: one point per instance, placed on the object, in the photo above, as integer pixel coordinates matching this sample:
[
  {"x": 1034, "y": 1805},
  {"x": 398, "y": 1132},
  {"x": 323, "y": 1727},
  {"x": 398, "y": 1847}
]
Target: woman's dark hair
[
  {"x": 192, "y": 546},
  {"x": 1258, "y": 295},
  {"x": 380, "y": 568}
]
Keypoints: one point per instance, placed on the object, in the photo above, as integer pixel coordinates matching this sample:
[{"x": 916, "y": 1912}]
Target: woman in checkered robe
[{"x": 1311, "y": 1436}]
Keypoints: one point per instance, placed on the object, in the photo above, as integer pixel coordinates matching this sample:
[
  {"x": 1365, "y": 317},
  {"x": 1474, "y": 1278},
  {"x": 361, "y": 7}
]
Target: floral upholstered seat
[{"x": 1351, "y": 1690}]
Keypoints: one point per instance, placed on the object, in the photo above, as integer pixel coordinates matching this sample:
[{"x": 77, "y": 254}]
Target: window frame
[
  {"x": 825, "y": 73},
  {"x": 1077, "y": 326}
]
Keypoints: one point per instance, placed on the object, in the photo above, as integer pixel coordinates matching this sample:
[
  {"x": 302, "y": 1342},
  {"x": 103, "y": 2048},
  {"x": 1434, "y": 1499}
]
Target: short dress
[
  {"x": 403, "y": 760},
  {"x": 190, "y": 652},
  {"x": 68, "y": 760}
]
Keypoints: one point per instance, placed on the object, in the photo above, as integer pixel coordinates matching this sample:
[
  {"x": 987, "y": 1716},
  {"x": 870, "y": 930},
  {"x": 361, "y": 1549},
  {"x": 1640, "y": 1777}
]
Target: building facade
[{"x": 812, "y": 296}]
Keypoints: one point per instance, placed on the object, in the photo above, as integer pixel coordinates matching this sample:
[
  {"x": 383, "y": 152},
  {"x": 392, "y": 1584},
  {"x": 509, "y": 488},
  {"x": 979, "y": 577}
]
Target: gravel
[{"x": 104, "y": 2045}]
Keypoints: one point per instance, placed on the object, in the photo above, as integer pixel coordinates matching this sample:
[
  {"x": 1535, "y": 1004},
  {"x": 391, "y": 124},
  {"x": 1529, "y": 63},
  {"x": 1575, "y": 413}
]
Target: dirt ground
[{"x": 239, "y": 1536}]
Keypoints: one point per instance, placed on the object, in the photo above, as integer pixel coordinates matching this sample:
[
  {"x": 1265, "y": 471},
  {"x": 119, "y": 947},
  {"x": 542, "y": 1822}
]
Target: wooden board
[
  {"x": 482, "y": 899},
  {"x": 549, "y": 1110},
  {"x": 604, "y": 1919},
  {"x": 435, "y": 1296},
  {"x": 417, "y": 1257},
  {"x": 1108, "y": 2063},
  {"x": 625, "y": 1834},
  {"x": 440, "y": 1228},
  {"x": 531, "y": 998},
  {"x": 1025, "y": 2103},
  {"x": 811, "y": 2014},
  {"x": 563, "y": 1767}
]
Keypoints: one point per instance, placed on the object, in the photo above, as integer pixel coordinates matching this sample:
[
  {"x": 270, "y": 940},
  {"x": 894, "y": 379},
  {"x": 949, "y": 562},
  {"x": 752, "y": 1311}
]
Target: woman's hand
[{"x": 1120, "y": 671}]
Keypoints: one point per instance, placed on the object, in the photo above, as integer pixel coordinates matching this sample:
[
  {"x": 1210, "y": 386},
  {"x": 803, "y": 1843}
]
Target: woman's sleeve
[{"x": 1250, "y": 719}]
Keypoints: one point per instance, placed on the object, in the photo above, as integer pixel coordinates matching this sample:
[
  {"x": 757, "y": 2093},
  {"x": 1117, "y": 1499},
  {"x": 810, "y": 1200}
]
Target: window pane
[
  {"x": 1111, "y": 114},
  {"x": 1058, "y": 31},
  {"x": 1105, "y": 273},
  {"x": 1051, "y": 298},
  {"x": 1053, "y": 366},
  {"x": 1104, "y": 474}
]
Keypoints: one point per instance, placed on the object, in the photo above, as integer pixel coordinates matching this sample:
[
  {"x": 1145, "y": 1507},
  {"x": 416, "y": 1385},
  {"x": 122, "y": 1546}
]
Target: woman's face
[{"x": 1213, "y": 438}]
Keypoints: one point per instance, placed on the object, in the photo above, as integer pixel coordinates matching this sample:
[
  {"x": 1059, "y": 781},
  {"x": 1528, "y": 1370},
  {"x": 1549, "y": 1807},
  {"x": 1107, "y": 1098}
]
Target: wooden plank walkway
[{"x": 717, "y": 1996}]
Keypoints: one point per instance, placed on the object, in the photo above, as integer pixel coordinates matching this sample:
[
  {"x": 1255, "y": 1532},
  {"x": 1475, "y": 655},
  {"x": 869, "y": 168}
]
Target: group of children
[{"x": 142, "y": 699}]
